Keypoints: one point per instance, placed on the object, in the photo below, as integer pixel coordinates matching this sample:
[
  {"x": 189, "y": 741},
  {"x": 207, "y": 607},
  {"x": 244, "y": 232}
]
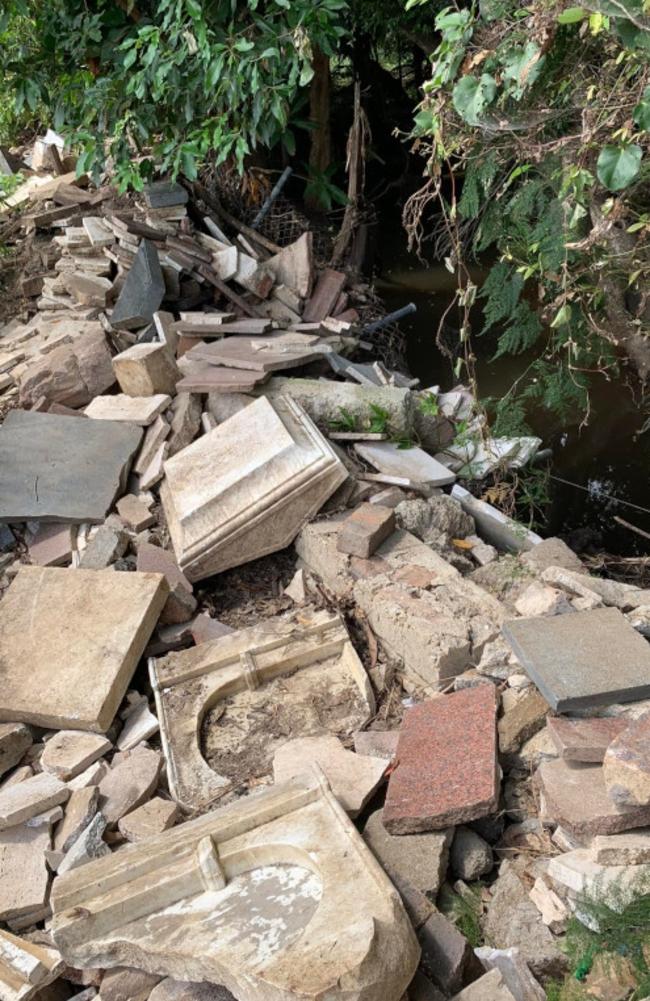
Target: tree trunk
[{"x": 320, "y": 155}]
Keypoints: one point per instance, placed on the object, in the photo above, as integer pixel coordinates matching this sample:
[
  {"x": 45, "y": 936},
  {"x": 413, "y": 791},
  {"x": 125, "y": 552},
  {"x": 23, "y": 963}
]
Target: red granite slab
[{"x": 447, "y": 769}]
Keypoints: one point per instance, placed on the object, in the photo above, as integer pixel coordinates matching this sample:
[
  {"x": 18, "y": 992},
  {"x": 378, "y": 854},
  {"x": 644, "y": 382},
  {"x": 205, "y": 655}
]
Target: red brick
[
  {"x": 365, "y": 530},
  {"x": 447, "y": 770}
]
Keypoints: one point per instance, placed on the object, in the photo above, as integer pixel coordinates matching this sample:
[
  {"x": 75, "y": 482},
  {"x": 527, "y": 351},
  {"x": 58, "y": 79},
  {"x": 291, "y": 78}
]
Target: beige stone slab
[
  {"x": 151, "y": 818},
  {"x": 154, "y": 437},
  {"x": 35, "y": 795},
  {"x": 15, "y": 739},
  {"x": 248, "y": 692},
  {"x": 82, "y": 633},
  {"x": 132, "y": 778},
  {"x": 352, "y": 777},
  {"x": 70, "y": 752},
  {"x": 621, "y": 849},
  {"x": 79, "y": 811},
  {"x": 275, "y": 897},
  {"x": 615, "y": 885},
  {"x": 25, "y": 967},
  {"x": 24, "y": 877},
  {"x": 244, "y": 489},
  {"x": 141, "y": 410}
]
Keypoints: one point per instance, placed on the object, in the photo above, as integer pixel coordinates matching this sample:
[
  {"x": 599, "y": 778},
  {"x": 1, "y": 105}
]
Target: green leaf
[
  {"x": 641, "y": 113},
  {"x": 618, "y": 166},
  {"x": 194, "y": 7},
  {"x": 471, "y": 96},
  {"x": 571, "y": 15},
  {"x": 562, "y": 316},
  {"x": 523, "y": 67}
]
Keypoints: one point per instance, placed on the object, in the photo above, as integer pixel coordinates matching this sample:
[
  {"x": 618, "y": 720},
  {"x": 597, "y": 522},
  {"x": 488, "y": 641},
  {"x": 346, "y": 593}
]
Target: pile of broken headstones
[{"x": 441, "y": 708}]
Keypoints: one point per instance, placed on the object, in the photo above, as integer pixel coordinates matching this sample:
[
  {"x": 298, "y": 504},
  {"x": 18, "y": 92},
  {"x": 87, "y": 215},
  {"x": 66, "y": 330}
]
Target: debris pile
[{"x": 398, "y": 770}]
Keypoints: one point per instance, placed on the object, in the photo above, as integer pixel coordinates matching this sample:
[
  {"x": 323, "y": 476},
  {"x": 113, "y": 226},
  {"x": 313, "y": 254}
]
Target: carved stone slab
[
  {"x": 274, "y": 896},
  {"x": 256, "y": 688},
  {"x": 245, "y": 489}
]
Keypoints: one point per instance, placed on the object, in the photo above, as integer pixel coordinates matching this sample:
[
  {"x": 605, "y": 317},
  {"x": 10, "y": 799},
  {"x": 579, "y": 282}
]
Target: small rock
[
  {"x": 88, "y": 845},
  {"x": 70, "y": 752},
  {"x": 621, "y": 849},
  {"x": 152, "y": 818},
  {"x": 419, "y": 860},
  {"x": 92, "y": 776},
  {"x": 186, "y": 421},
  {"x": 526, "y": 717},
  {"x": 15, "y": 739},
  {"x": 471, "y": 857},
  {"x": 376, "y": 743},
  {"x": 639, "y": 618},
  {"x": 611, "y": 978},
  {"x": 204, "y": 628},
  {"x": 446, "y": 953},
  {"x": 584, "y": 740},
  {"x": 540, "y": 599},
  {"x": 390, "y": 497},
  {"x": 126, "y": 984},
  {"x": 181, "y": 603},
  {"x": 135, "y": 513},
  {"x": 297, "y": 588},
  {"x": 140, "y": 725},
  {"x": 181, "y": 990},
  {"x": 107, "y": 545},
  {"x": 481, "y": 552},
  {"x": 554, "y": 912},
  {"x": 552, "y": 553},
  {"x": 515, "y": 972},
  {"x": 131, "y": 780},
  {"x": 490, "y": 987}
]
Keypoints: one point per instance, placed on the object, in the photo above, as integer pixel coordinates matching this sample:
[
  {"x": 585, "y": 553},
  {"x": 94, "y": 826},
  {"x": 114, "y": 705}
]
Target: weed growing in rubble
[{"x": 465, "y": 910}]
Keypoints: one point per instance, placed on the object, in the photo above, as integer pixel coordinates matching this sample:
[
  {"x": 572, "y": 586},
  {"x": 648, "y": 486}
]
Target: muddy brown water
[{"x": 610, "y": 456}]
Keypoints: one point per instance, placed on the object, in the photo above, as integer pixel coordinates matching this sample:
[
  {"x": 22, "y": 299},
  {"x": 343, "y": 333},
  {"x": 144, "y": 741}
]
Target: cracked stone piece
[
  {"x": 79, "y": 811},
  {"x": 512, "y": 920},
  {"x": 154, "y": 438},
  {"x": 26, "y": 967},
  {"x": 614, "y": 885},
  {"x": 126, "y": 984},
  {"x": 353, "y": 777},
  {"x": 540, "y": 599},
  {"x": 447, "y": 772},
  {"x": 185, "y": 422},
  {"x": 527, "y": 716},
  {"x": 135, "y": 513},
  {"x": 365, "y": 529},
  {"x": 146, "y": 369},
  {"x": 554, "y": 912},
  {"x": 70, "y": 752},
  {"x": 576, "y": 797},
  {"x": 134, "y": 409},
  {"x": 142, "y": 292},
  {"x": 270, "y": 470},
  {"x": 584, "y": 740},
  {"x": 552, "y": 553},
  {"x": 184, "y": 990},
  {"x": 612, "y": 592},
  {"x": 62, "y": 469},
  {"x": 491, "y": 987},
  {"x": 151, "y": 818},
  {"x": 293, "y": 266},
  {"x": 584, "y": 659},
  {"x": 290, "y": 666},
  {"x": 514, "y": 970},
  {"x": 82, "y": 633},
  {"x": 204, "y": 628},
  {"x": 419, "y": 860},
  {"x": 89, "y": 844},
  {"x": 140, "y": 725},
  {"x": 24, "y": 878},
  {"x": 92, "y": 776},
  {"x": 108, "y": 543},
  {"x": 27, "y": 799},
  {"x": 621, "y": 849},
  {"x": 626, "y": 765},
  {"x": 327, "y": 920},
  {"x": 15, "y": 739},
  {"x": 131, "y": 780},
  {"x": 181, "y": 603},
  {"x": 71, "y": 374}
]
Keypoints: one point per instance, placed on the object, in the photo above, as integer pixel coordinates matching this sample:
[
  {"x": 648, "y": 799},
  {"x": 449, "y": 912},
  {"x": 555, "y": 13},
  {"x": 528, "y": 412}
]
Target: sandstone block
[
  {"x": 552, "y": 553},
  {"x": 107, "y": 544},
  {"x": 70, "y": 752},
  {"x": 527, "y": 716},
  {"x": 152, "y": 818},
  {"x": 131, "y": 780},
  {"x": 186, "y": 421},
  {"x": 141, "y": 410},
  {"x": 621, "y": 849},
  {"x": 29, "y": 798},
  {"x": 576, "y": 797},
  {"x": 490, "y": 987},
  {"x": 140, "y": 725},
  {"x": 135, "y": 513},
  {"x": 180, "y": 604},
  {"x": 146, "y": 369},
  {"x": 24, "y": 878},
  {"x": 514, "y": 970},
  {"x": 554, "y": 912},
  {"x": 88, "y": 845},
  {"x": 15, "y": 739}
]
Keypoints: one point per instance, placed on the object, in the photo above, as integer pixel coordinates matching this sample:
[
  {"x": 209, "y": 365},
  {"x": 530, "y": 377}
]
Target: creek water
[{"x": 610, "y": 456}]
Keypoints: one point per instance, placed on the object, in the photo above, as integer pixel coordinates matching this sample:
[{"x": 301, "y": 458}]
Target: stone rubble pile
[{"x": 441, "y": 708}]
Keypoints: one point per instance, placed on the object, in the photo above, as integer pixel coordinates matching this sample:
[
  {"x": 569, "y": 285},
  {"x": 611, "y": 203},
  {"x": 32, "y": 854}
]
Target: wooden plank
[{"x": 328, "y": 288}]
